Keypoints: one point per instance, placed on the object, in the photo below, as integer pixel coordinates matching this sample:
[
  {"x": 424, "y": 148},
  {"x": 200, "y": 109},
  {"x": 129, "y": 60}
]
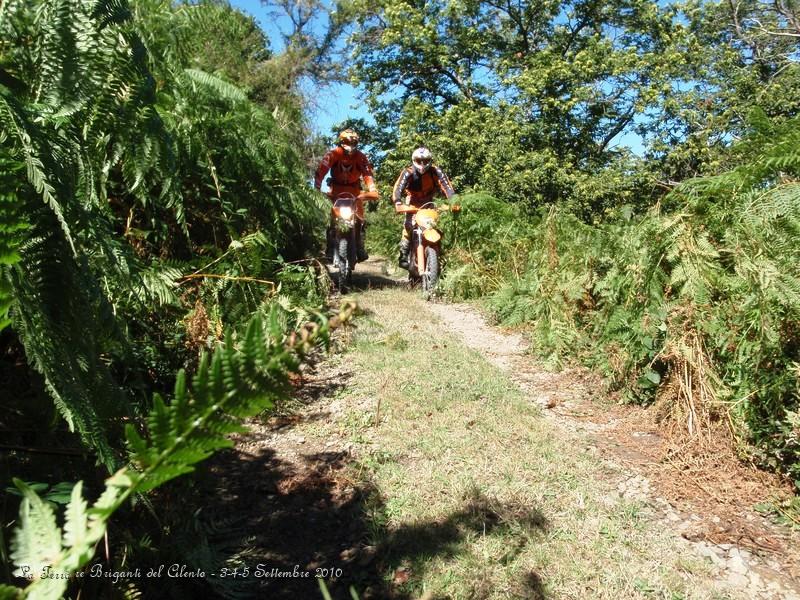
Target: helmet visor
[{"x": 422, "y": 161}]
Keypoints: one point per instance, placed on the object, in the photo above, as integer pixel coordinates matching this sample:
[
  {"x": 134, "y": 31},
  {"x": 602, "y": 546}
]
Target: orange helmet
[{"x": 348, "y": 139}]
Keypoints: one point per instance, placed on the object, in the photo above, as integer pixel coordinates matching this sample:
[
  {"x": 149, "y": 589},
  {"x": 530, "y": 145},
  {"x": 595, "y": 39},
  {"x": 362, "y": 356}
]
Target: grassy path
[
  {"x": 474, "y": 494},
  {"x": 422, "y": 459}
]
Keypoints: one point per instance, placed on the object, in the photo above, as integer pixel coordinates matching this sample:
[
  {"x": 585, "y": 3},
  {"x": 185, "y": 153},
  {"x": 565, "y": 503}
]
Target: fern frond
[
  {"x": 37, "y": 540},
  {"x": 60, "y": 320},
  {"x": 13, "y": 227},
  {"x": 235, "y": 383},
  {"x": 223, "y": 88},
  {"x": 12, "y": 120}
]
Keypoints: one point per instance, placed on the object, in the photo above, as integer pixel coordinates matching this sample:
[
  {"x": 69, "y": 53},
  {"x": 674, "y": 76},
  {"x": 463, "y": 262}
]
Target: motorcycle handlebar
[
  {"x": 368, "y": 196},
  {"x": 409, "y": 208}
]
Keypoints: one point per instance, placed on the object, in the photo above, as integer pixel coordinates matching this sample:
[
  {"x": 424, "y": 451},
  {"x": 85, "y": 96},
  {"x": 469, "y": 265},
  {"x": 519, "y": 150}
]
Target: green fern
[
  {"x": 125, "y": 167},
  {"x": 12, "y": 229},
  {"x": 109, "y": 156},
  {"x": 234, "y": 383},
  {"x": 14, "y": 123},
  {"x": 65, "y": 322},
  {"x": 710, "y": 289},
  {"x": 222, "y": 87}
]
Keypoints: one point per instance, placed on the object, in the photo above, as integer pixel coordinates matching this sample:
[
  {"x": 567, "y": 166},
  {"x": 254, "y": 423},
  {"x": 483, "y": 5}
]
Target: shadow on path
[
  {"x": 371, "y": 275},
  {"x": 289, "y": 507},
  {"x": 290, "y": 521}
]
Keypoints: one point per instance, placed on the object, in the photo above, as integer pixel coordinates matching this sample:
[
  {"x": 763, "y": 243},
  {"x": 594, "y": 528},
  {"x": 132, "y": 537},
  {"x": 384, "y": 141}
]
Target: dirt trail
[
  {"x": 749, "y": 552},
  {"x": 295, "y": 496}
]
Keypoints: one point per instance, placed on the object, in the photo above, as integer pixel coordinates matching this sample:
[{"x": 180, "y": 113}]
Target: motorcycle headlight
[
  {"x": 426, "y": 222},
  {"x": 346, "y": 213}
]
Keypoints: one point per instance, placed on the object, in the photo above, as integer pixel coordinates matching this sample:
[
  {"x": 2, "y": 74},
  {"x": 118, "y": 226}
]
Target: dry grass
[{"x": 477, "y": 496}]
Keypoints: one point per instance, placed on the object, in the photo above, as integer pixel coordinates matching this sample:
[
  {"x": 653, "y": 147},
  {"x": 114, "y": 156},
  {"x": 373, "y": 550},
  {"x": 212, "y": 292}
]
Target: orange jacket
[
  {"x": 421, "y": 188},
  {"x": 346, "y": 171}
]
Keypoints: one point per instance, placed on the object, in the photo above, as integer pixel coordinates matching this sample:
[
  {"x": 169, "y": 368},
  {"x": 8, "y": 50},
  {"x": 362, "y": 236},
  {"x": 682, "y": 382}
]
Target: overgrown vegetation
[
  {"x": 675, "y": 272},
  {"x": 151, "y": 153},
  {"x": 693, "y": 304},
  {"x": 154, "y": 200},
  {"x": 232, "y": 385}
]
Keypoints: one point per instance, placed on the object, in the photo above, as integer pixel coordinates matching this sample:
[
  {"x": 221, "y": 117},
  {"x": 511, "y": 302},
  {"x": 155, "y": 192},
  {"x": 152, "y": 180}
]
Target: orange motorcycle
[
  {"x": 347, "y": 226},
  {"x": 426, "y": 238}
]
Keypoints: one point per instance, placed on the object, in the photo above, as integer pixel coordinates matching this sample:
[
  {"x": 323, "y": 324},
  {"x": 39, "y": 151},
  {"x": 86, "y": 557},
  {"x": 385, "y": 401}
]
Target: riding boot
[
  {"x": 402, "y": 260},
  {"x": 362, "y": 250}
]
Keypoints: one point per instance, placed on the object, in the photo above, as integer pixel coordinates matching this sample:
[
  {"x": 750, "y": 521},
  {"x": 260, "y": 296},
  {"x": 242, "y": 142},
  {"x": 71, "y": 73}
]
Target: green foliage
[
  {"x": 12, "y": 229},
  {"x": 139, "y": 169},
  {"x": 66, "y": 335},
  {"x": 136, "y": 186},
  {"x": 240, "y": 379},
  {"x": 524, "y": 102},
  {"x": 741, "y": 57},
  {"x": 140, "y": 178},
  {"x": 486, "y": 236},
  {"x": 697, "y": 303},
  {"x": 535, "y": 103}
]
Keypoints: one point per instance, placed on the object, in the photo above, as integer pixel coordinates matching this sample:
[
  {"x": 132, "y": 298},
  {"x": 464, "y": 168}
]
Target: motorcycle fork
[{"x": 420, "y": 257}]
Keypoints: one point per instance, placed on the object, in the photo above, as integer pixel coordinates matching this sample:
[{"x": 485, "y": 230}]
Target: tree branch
[{"x": 617, "y": 129}]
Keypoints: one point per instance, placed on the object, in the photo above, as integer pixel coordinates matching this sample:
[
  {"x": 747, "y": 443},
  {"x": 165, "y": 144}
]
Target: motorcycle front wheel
[
  {"x": 345, "y": 264},
  {"x": 430, "y": 278}
]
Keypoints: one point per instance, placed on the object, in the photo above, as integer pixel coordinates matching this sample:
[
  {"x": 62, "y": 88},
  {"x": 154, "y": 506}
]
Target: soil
[{"x": 299, "y": 510}]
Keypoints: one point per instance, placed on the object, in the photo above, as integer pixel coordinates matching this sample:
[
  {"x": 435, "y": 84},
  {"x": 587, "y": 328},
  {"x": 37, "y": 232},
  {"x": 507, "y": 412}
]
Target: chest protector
[
  {"x": 421, "y": 188},
  {"x": 346, "y": 171}
]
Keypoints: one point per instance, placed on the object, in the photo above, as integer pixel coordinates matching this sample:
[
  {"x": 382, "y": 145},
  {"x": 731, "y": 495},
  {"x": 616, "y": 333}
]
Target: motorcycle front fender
[
  {"x": 344, "y": 227},
  {"x": 432, "y": 236}
]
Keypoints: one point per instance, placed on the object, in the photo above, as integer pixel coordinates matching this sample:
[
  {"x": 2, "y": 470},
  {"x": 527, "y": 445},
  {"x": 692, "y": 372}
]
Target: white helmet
[{"x": 421, "y": 158}]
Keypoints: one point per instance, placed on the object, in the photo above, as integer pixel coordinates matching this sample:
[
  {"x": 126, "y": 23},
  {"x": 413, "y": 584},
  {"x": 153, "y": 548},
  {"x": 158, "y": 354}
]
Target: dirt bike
[
  {"x": 347, "y": 226},
  {"x": 425, "y": 251}
]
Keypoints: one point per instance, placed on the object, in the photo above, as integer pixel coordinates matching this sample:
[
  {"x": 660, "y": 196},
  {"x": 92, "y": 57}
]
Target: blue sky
[
  {"x": 339, "y": 102},
  {"x": 331, "y": 105}
]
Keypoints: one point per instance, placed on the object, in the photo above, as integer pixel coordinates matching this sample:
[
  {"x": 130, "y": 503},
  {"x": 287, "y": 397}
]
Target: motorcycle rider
[
  {"x": 419, "y": 183},
  {"x": 347, "y": 166}
]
